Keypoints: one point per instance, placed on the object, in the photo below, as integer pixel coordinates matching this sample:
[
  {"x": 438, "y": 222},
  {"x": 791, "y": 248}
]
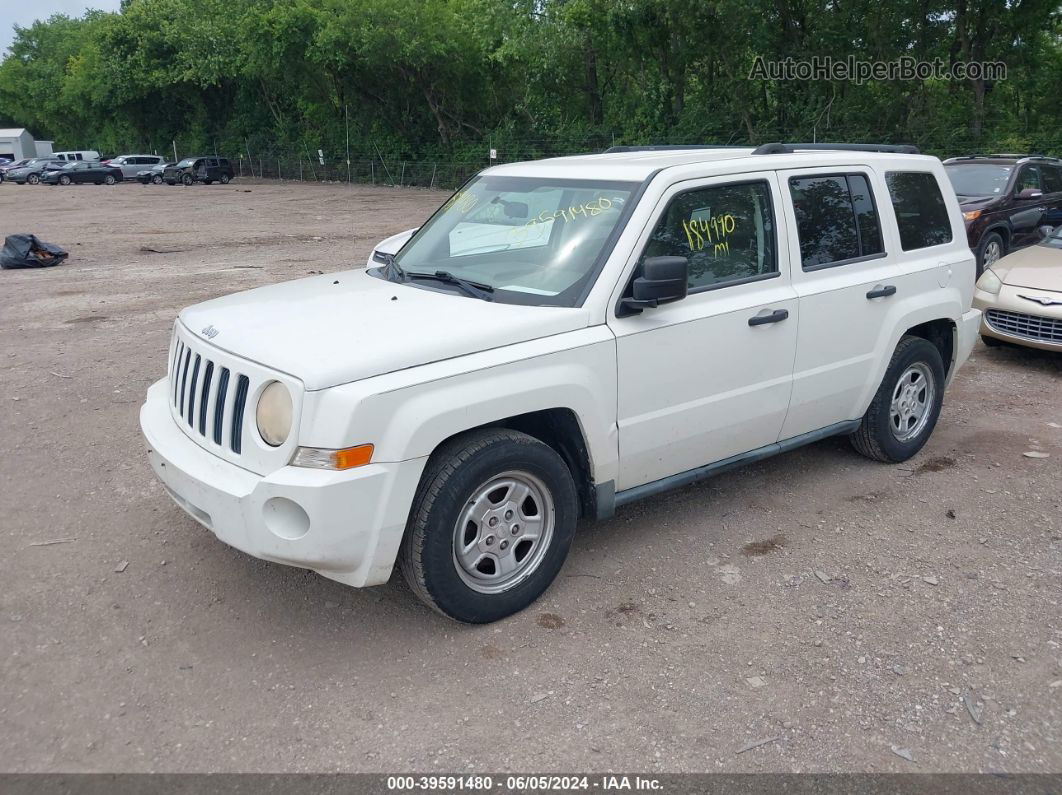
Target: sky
[{"x": 25, "y": 12}]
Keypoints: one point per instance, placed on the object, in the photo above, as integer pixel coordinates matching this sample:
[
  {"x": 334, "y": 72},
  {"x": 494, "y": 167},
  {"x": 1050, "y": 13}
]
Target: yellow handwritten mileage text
[
  {"x": 590, "y": 209},
  {"x": 462, "y": 201},
  {"x": 701, "y": 232}
]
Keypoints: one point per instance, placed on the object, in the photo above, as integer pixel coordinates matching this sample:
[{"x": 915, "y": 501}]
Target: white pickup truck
[{"x": 560, "y": 338}]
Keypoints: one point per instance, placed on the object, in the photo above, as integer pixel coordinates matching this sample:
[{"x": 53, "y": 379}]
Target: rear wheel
[
  {"x": 907, "y": 405},
  {"x": 992, "y": 248},
  {"x": 109, "y": 179},
  {"x": 64, "y": 180},
  {"x": 224, "y": 179},
  {"x": 490, "y": 527}
]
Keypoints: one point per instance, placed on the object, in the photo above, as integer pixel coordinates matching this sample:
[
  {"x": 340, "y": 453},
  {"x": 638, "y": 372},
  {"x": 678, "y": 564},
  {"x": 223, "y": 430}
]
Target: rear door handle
[
  {"x": 777, "y": 316},
  {"x": 881, "y": 292}
]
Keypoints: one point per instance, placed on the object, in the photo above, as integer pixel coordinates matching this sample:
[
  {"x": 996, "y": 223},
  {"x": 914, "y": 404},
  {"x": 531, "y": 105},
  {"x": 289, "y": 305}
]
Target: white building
[{"x": 17, "y": 143}]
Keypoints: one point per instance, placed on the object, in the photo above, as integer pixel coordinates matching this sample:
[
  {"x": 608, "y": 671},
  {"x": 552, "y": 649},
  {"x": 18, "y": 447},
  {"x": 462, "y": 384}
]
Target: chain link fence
[{"x": 377, "y": 167}]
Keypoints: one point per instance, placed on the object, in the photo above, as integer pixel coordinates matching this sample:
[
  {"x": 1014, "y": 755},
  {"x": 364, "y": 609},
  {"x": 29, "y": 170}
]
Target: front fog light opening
[{"x": 274, "y": 414}]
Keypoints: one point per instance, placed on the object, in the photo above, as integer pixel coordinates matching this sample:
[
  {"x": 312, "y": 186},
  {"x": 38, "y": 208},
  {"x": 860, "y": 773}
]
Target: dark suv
[
  {"x": 199, "y": 169},
  {"x": 1005, "y": 200}
]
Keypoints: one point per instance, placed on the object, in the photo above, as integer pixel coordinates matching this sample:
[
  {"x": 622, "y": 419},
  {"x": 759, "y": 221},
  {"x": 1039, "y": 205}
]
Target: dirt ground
[{"x": 857, "y": 616}]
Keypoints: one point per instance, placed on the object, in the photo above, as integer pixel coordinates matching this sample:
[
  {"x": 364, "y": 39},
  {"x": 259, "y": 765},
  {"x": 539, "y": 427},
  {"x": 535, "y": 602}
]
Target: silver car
[{"x": 131, "y": 165}]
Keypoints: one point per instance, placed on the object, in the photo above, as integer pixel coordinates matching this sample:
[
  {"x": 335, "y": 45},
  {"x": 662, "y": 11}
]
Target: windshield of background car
[
  {"x": 1053, "y": 240},
  {"x": 534, "y": 240},
  {"x": 185, "y": 163},
  {"x": 979, "y": 179}
]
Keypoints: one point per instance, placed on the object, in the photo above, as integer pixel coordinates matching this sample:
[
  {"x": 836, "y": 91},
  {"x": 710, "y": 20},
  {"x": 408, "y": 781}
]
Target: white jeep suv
[{"x": 562, "y": 337}]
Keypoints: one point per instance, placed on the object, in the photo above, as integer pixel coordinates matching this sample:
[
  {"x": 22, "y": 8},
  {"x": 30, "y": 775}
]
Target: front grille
[
  {"x": 1030, "y": 327},
  {"x": 204, "y": 402}
]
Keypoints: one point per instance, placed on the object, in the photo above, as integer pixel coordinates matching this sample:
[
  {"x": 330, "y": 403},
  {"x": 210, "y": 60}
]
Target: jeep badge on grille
[{"x": 209, "y": 332}]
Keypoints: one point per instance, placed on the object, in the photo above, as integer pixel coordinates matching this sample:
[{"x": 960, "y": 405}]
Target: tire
[
  {"x": 460, "y": 494},
  {"x": 992, "y": 342},
  {"x": 208, "y": 182},
  {"x": 915, "y": 361},
  {"x": 224, "y": 179},
  {"x": 33, "y": 179},
  {"x": 990, "y": 249},
  {"x": 64, "y": 180},
  {"x": 187, "y": 179},
  {"x": 109, "y": 179},
  {"x": 156, "y": 179}
]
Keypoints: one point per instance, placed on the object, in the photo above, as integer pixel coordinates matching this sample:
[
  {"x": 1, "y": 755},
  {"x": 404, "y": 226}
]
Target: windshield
[
  {"x": 1053, "y": 240},
  {"x": 979, "y": 179},
  {"x": 533, "y": 240},
  {"x": 186, "y": 162}
]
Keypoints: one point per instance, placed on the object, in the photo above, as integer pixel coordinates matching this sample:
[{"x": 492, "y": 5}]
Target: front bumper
[
  {"x": 346, "y": 526},
  {"x": 1011, "y": 318}
]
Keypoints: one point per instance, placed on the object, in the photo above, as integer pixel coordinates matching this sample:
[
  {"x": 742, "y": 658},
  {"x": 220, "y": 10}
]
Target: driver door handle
[
  {"x": 881, "y": 292},
  {"x": 777, "y": 316}
]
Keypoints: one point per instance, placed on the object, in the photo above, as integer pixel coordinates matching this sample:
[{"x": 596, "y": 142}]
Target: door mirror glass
[{"x": 663, "y": 280}]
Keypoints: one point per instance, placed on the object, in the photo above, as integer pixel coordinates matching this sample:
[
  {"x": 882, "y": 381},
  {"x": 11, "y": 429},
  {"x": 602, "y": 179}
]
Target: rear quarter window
[{"x": 921, "y": 214}]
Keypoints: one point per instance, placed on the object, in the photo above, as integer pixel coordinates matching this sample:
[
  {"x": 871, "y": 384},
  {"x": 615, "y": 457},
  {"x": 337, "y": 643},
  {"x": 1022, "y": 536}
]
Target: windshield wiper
[{"x": 474, "y": 289}]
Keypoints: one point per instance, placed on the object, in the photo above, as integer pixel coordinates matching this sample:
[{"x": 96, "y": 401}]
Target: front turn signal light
[
  {"x": 972, "y": 215},
  {"x": 320, "y": 458}
]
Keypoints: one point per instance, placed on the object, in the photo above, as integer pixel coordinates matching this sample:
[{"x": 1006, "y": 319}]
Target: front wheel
[
  {"x": 224, "y": 179},
  {"x": 992, "y": 248},
  {"x": 490, "y": 526},
  {"x": 33, "y": 179},
  {"x": 905, "y": 409},
  {"x": 156, "y": 179},
  {"x": 187, "y": 179}
]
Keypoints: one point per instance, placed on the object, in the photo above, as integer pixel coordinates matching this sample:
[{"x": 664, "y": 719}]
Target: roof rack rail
[
  {"x": 670, "y": 148},
  {"x": 788, "y": 149}
]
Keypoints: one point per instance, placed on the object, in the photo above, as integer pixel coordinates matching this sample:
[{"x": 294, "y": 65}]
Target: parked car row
[{"x": 68, "y": 168}]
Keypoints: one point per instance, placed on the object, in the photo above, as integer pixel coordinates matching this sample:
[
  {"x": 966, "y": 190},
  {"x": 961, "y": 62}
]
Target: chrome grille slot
[
  {"x": 236, "y": 441},
  {"x": 191, "y": 391},
  {"x": 184, "y": 379},
  {"x": 1031, "y": 327},
  {"x": 204, "y": 397},
  {"x": 219, "y": 402}
]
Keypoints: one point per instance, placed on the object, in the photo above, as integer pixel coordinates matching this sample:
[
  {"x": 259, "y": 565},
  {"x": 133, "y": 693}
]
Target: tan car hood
[{"x": 1036, "y": 267}]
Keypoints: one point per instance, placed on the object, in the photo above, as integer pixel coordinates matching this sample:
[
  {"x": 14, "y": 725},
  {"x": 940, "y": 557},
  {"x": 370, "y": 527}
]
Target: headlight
[
  {"x": 972, "y": 215},
  {"x": 989, "y": 282},
  {"x": 274, "y": 414}
]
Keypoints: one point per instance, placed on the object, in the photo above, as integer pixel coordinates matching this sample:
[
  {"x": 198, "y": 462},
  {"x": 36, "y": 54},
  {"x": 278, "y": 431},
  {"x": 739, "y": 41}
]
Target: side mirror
[
  {"x": 663, "y": 280},
  {"x": 1044, "y": 232},
  {"x": 1030, "y": 194}
]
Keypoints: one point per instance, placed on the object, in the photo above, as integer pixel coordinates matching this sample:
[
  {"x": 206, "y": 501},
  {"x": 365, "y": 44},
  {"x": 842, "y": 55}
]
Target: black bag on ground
[{"x": 26, "y": 251}]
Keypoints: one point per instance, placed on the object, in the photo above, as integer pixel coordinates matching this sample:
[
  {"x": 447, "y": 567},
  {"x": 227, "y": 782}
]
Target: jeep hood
[
  {"x": 1036, "y": 267},
  {"x": 342, "y": 327}
]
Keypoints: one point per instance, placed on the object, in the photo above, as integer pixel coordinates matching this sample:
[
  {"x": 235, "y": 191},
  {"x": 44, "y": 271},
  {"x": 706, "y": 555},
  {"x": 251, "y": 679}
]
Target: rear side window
[
  {"x": 921, "y": 214},
  {"x": 837, "y": 220},
  {"x": 726, "y": 232}
]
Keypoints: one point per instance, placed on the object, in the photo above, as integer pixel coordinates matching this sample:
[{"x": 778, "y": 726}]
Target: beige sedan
[{"x": 1021, "y": 296}]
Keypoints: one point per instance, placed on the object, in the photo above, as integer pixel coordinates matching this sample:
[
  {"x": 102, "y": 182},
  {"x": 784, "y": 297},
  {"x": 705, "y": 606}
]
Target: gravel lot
[{"x": 860, "y": 617}]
